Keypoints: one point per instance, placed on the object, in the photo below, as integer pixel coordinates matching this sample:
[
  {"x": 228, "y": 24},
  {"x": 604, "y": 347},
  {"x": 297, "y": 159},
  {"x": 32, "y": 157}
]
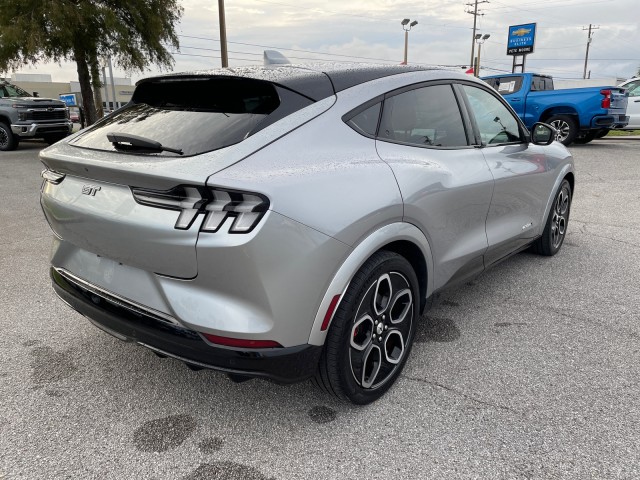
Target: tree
[{"x": 135, "y": 33}]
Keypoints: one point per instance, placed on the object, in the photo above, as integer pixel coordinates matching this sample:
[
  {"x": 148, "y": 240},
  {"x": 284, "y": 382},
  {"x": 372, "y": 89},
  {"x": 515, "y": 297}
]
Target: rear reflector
[
  {"x": 329, "y": 314},
  {"x": 240, "y": 342}
]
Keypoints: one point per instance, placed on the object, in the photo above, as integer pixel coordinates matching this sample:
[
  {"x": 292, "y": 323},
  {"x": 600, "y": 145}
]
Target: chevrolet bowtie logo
[
  {"x": 521, "y": 32},
  {"x": 90, "y": 190}
]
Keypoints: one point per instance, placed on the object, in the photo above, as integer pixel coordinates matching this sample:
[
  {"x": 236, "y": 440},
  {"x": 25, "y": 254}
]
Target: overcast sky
[{"x": 361, "y": 31}]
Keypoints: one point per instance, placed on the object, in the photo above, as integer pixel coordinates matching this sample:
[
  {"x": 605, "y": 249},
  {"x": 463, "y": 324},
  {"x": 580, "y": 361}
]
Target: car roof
[{"x": 314, "y": 80}]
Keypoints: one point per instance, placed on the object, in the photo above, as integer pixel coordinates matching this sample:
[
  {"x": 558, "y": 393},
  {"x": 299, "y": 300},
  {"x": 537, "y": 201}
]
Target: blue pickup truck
[{"x": 578, "y": 114}]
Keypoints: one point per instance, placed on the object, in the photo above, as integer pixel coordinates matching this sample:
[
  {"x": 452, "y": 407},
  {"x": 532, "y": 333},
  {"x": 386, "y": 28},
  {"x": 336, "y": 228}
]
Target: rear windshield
[{"x": 193, "y": 114}]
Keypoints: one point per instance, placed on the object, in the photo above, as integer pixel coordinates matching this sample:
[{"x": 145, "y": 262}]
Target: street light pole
[
  {"x": 223, "y": 35},
  {"x": 406, "y": 45},
  {"x": 480, "y": 39},
  {"x": 406, "y": 26}
]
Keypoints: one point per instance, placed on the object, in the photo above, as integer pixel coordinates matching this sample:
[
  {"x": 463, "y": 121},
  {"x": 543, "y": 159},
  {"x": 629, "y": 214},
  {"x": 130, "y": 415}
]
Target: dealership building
[{"x": 44, "y": 87}]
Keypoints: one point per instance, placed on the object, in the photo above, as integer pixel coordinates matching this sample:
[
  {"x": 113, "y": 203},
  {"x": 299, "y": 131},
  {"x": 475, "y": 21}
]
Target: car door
[
  {"x": 445, "y": 182},
  {"x": 522, "y": 172},
  {"x": 633, "y": 107}
]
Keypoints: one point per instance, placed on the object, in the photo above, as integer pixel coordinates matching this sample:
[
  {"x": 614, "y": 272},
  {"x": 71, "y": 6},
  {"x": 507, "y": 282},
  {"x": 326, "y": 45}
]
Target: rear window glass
[{"x": 194, "y": 115}]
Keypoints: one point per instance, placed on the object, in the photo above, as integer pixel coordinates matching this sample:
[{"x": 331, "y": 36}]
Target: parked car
[
  {"x": 577, "y": 114},
  {"x": 25, "y": 116},
  {"x": 632, "y": 87},
  {"x": 294, "y": 222},
  {"x": 74, "y": 114}
]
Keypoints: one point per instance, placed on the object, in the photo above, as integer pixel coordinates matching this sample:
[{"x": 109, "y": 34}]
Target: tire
[
  {"x": 372, "y": 331},
  {"x": 566, "y": 128},
  {"x": 8, "y": 141},
  {"x": 555, "y": 229},
  {"x": 587, "y": 137}
]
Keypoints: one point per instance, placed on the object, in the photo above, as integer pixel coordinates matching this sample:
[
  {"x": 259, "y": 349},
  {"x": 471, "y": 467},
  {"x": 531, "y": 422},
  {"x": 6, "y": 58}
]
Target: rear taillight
[
  {"x": 52, "y": 176},
  {"x": 240, "y": 342},
  {"x": 246, "y": 208},
  {"x": 606, "y": 101}
]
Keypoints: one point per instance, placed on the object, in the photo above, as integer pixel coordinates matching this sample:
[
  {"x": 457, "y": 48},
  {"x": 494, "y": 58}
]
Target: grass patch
[{"x": 623, "y": 133}]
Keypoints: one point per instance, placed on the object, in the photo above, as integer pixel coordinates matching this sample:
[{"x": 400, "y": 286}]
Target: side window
[
  {"x": 496, "y": 123},
  {"x": 366, "y": 121},
  {"x": 507, "y": 85},
  {"x": 548, "y": 84},
  {"x": 537, "y": 84},
  {"x": 427, "y": 116},
  {"x": 634, "y": 89}
]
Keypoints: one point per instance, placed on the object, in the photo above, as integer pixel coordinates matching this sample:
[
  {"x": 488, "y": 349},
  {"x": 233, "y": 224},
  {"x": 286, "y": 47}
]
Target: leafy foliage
[{"x": 135, "y": 33}]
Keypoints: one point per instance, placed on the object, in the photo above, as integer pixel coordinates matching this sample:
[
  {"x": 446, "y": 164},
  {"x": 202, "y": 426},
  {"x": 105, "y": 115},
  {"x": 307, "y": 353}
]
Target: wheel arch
[
  {"x": 402, "y": 238},
  {"x": 566, "y": 174},
  {"x": 560, "y": 110},
  {"x": 571, "y": 179},
  {"x": 414, "y": 256}
]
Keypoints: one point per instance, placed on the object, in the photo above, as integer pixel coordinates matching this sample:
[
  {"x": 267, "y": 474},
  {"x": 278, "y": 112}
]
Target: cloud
[{"x": 371, "y": 29}]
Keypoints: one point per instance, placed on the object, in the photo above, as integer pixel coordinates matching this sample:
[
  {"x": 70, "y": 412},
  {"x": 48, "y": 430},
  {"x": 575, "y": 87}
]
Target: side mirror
[
  {"x": 542, "y": 134},
  {"x": 35, "y": 94}
]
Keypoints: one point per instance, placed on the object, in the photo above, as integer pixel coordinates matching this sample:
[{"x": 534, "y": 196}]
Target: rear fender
[
  {"x": 375, "y": 241},
  {"x": 567, "y": 169}
]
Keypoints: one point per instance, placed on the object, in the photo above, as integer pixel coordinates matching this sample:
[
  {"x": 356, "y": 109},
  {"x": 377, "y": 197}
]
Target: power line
[{"x": 292, "y": 49}]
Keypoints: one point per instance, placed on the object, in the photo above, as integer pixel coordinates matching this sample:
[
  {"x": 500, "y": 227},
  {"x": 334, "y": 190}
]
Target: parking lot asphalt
[{"x": 531, "y": 371}]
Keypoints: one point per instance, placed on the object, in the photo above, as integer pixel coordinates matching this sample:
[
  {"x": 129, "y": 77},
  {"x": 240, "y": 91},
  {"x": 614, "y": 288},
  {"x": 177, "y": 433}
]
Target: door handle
[{"x": 517, "y": 100}]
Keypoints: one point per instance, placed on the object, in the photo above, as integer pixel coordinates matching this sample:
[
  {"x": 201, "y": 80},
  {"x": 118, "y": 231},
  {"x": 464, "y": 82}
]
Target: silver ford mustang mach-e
[{"x": 293, "y": 222}]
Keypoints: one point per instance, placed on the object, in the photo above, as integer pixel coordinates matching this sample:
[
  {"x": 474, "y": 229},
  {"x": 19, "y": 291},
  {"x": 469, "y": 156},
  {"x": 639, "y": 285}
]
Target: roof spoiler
[{"x": 273, "y": 57}]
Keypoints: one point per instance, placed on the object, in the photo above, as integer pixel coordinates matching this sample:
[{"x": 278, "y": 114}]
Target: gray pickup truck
[{"x": 23, "y": 115}]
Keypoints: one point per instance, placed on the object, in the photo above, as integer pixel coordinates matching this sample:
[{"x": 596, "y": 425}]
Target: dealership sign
[
  {"x": 69, "y": 99},
  {"x": 521, "y": 39}
]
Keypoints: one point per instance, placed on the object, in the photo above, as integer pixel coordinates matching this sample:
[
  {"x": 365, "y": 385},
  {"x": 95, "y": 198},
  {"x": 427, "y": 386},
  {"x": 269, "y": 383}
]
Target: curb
[{"x": 622, "y": 137}]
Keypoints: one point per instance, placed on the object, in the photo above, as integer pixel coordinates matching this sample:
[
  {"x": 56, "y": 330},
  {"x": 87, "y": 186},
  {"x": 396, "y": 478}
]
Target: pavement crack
[{"x": 462, "y": 394}]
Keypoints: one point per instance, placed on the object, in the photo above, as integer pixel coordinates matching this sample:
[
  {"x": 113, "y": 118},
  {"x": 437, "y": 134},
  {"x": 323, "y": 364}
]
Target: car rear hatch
[{"x": 131, "y": 187}]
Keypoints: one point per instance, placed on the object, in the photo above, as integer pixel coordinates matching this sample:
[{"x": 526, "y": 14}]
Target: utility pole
[
  {"x": 223, "y": 35},
  {"x": 586, "y": 57},
  {"x": 473, "y": 10}
]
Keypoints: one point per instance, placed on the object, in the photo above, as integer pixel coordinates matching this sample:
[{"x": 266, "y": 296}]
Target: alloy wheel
[
  {"x": 562, "y": 129},
  {"x": 559, "y": 219},
  {"x": 381, "y": 328}
]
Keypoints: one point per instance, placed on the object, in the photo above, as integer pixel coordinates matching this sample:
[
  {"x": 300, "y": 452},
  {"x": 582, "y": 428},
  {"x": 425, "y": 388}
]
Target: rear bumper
[
  {"x": 41, "y": 129},
  {"x": 609, "y": 121},
  {"x": 128, "y": 323}
]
